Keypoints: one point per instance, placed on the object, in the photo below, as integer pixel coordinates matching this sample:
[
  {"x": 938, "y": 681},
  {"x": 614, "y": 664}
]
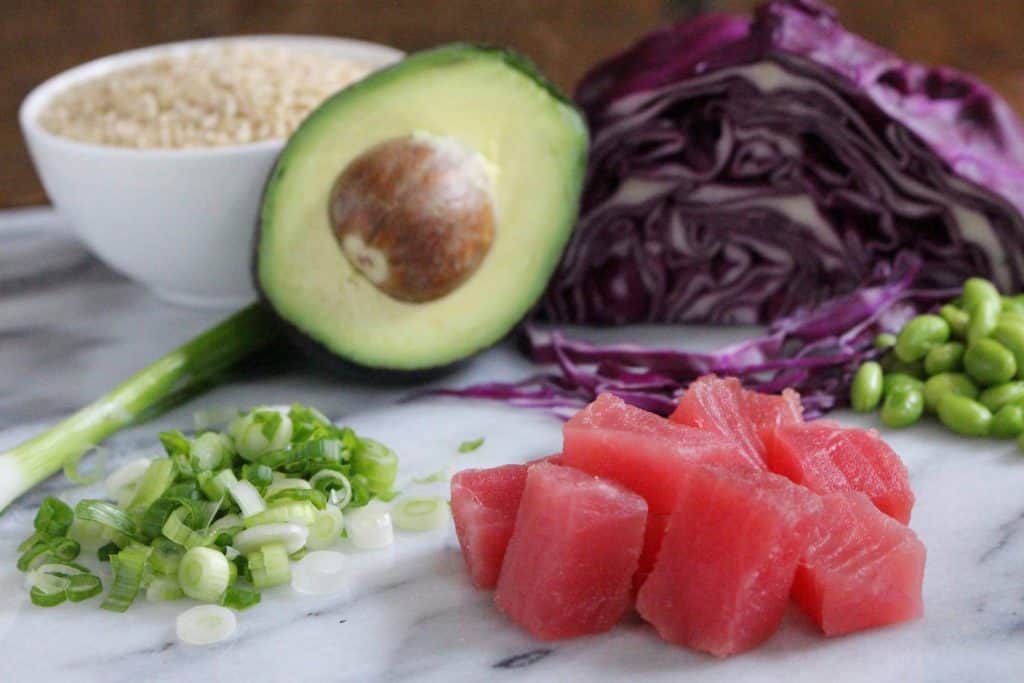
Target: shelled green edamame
[{"x": 964, "y": 364}]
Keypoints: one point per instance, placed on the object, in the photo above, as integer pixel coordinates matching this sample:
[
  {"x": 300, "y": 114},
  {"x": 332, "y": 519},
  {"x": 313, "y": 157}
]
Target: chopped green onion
[
  {"x": 128, "y": 566},
  {"x": 178, "y": 530},
  {"x": 205, "y": 625},
  {"x": 175, "y": 443},
  {"x": 107, "y": 515},
  {"x": 317, "y": 498},
  {"x": 291, "y": 536},
  {"x": 163, "y": 589},
  {"x": 153, "y": 520},
  {"x": 320, "y": 573},
  {"x": 166, "y": 556},
  {"x": 369, "y": 527},
  {"x": 88, "y": 534},
  {"x": 79, "y": 479},
  {"x": 470, "y": 446},
  {"x": 204, "y": 574},
  {"x": 41, "y": 599},
  {"x": 377, "y": 463},
  {"x": 296, "y": 512},
  {"x": 269, "y": 566},
  {"x": 54, "y": 517},
  {"x": 433, "y": 478},
  {"x": 247, "y": 498},
  {"x": 285, "y": 483},
  {"x": 260, "y": 431},
  {"x": 122, "y": 482},
  {"x": 211, "y": 451},
  {"x": 57, "y": 549},
  {"x": 237, "y": 597},
  {"x": 83, "y": 587},
  {"x": 227, "y": 522},
  {"x": 158, "y": 477},
  {"x": 420, "y": 513},
  {"x": 335, "y": 483},
  {"x": 105, "y": 552},
  {"x": 217, "y": 486},
  {"x": 326, "y": 528},
  {"x": 261, "y": 476}
]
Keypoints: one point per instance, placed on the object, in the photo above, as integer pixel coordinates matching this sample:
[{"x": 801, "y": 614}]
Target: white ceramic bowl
[{"x": 177, "y": 220}]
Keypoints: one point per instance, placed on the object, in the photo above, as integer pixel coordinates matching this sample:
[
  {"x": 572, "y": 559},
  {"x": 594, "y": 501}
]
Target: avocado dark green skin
[{"x": 318, "y": 353}]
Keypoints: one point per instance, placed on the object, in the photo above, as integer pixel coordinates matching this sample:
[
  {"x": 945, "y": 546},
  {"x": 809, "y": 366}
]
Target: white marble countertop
[{"x": 70, "y": 328}]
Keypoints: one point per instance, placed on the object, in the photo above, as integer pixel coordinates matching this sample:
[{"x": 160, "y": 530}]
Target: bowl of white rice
[{"x": 157, "y": 157}]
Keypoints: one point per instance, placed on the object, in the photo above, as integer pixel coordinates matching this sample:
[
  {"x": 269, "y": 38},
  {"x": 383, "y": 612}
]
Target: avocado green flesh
[{"x": 532, "y": 140}]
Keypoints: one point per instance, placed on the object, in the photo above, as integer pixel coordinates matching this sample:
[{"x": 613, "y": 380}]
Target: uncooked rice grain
[{"x": 214, "y": 96}]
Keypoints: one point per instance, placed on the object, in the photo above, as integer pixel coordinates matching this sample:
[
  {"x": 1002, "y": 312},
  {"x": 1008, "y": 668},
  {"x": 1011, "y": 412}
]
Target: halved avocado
[{"x": 416, "y": 216}]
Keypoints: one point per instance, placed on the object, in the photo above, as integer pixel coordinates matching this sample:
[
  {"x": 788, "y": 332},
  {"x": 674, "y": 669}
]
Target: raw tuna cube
[
  {"x": 722, "y": 578},
  {"x": 570, "y": 564},
  {"x": 484, "y": 507},
  {"x": 654, "y": 532},
  {"x": 825, "y": 458},
  {"x": 724, "y": 407},
  {"x": 640, "y": 450},
  {"x": 862, "y": 568}
]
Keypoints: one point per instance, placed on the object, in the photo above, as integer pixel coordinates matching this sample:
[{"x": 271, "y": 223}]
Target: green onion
[
  {"x": 107, "y": 515},
  {"x": 211, "y": 451},
  {"x": 57, "y": 549},
  {"x": 335, "y": 483},
  {"x": 178, "y": 530},
  {"x": 377, "y": 463},
  {"x": 158, "y": 477},
  {"x": 151, "y": 391},
  {"x": 296, "y": 512},
  {"x": 79, "y": 479},
  {"x": 420, "y": 513},
  {"x": 286, "y": 483},
  {"x": 128, "y": 566},
  {"x": 369, "y": 527},
  {"x": 166, "y": 556},
  {"x": 88, "y": 534},
  {"x": 212, "y": 417},
  {"x": 326, "y": 528},
  {"x": 317, "y": 498},
  {"x": 163, "y": 589},
  {"x": 204, "y": 574},
  {"x": 291, "y": 536},
  {"x": 83, "y": 587},
  {"x": 105, "y": 552},
  {"x": 433, "y": 478},
  {"x": 260, "y": 431},
  {"x": 54, "y": 517},
  {"x": 470, "y": 446},
  {"x": 247, "y": 498},
  {"x": 260, "y": 476},
  {"x": 269, "y": 566},
  {"x": 41, "y": 599},
  {"x": 122, "y": 482},
  {"x": 217, "y": 486},
  {"x": 205, "y": 625},
  {"x": 155, "y": 517},
  {"x": 237, "y": 597}
]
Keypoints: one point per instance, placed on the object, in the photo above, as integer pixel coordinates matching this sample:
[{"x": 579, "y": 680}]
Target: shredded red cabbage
[{"x": 815, "y": 351}]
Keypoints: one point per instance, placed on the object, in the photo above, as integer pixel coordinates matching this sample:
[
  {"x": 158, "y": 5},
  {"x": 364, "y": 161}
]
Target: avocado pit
[{"x": 414, "y": 215}]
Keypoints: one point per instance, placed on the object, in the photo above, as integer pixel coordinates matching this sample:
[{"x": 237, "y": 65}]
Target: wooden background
[{"x": 40, "y": 38}]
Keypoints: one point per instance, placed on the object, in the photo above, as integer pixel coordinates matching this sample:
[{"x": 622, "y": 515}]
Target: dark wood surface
[{"x": 564, "y": 37}]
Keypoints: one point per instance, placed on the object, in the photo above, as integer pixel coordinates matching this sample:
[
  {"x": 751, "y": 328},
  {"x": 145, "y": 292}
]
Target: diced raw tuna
[
  {"x": 640, "y": 450},
  {"x": 570, "y": 564},
  {"x": 861, "y": 570},
  {"x": 484, "y": 507},
  {"x": 722, "y": 578},
  {"x": 722, "y": 406},
  {"x": 825, "y": 458},
  {"x": 654, "y": 532}
]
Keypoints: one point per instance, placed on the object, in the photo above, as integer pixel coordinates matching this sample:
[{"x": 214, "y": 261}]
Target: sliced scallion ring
[
  {"x": 206, "y": 625},
  {"x": 326, "y": 528},
  {"x": 336, "y": 483},
  {"x": 321, "y": 573},
  {"x": 369, "y": 527},
  {"x": 120, "y": 484},
  {"x": 420, "y": 513},
  {"x": 204, "y": 574},
  {"x": 247, "y": 498},
  {"x": 291, "y": 536},
  {"x": 286, "y": 483},
  {"x": 99, "y": 466}
]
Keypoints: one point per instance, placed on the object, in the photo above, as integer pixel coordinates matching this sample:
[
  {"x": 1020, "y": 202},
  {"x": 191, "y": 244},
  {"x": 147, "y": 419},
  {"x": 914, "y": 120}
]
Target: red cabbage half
[{"x": 742, "y": 170}]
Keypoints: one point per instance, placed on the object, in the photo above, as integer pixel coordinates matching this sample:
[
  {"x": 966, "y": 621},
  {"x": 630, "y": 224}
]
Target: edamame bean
[
  {"x": 866, "y": 389},
  {"x": 964, "y": 415},
  {"x": 1011, "y": 336},
  {"x": 899, "y": 379},
  {"x": 1008, "y": 422},
  {"x": 988, "y": 362},
  {"x": 998, "y": 396},
  {"x": 885, "y": 341},
  {"x": 919, "y": 336},
  {"x": 902, "y": 407},
  {"x": 978, "y": 289},
  {"x": 944, "y": 383},
  {"x": 984, "y": 318},
  {"x": 891, "y": 364},
  {"x": 957, "y": 319},
  {"x": 944, "y": 358}
]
